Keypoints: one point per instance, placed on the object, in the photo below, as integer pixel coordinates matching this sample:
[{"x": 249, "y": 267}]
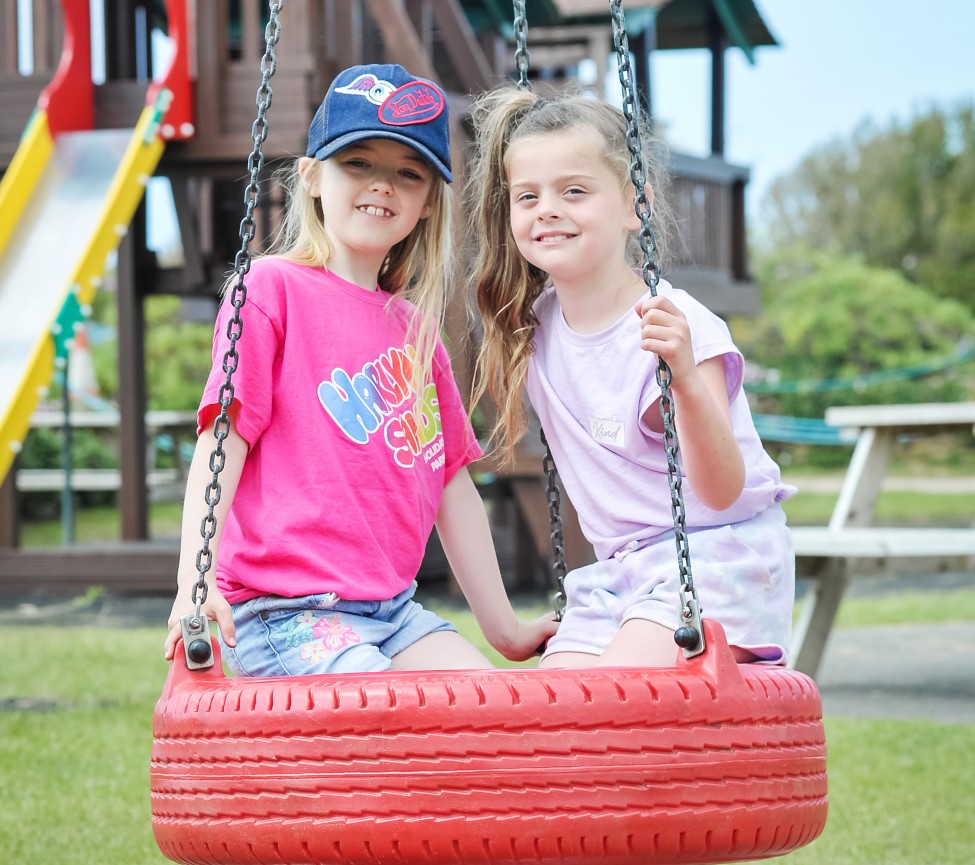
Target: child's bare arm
[
  {"x": 466, "y": 537},
  {"x": 195, "y": 510},
  {"x": 710, "y": 454}
]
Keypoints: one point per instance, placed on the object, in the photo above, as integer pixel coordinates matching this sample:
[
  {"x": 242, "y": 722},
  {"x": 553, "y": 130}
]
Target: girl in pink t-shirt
[
  {"x": 349, "y": 440},
  {"x": 567, "y": 316}
]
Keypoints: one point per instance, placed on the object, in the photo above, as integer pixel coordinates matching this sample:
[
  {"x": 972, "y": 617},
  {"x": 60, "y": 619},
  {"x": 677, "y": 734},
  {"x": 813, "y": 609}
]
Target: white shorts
[{"x": 744, "y": 576}]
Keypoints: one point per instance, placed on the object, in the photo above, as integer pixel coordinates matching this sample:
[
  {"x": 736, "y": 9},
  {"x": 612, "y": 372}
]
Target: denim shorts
[
  {"x": 744, "y": 575},
  {"x": 322, "y": 633}
]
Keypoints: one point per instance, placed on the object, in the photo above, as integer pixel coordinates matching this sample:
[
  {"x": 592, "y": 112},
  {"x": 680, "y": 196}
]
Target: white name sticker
[{"x": 607, "y": 432}]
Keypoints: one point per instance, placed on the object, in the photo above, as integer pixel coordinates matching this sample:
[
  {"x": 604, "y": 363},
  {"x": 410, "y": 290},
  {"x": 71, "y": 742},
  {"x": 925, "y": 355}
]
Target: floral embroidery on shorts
[
  {"x": 300, "y": 629},
  {"x": 334, "y": 634},
  {"x": 329, "y": 634},
  {"x": 318, "y": 636}
]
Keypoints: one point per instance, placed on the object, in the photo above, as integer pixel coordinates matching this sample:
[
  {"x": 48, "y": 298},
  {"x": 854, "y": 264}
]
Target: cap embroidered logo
[
  {"x": 416, "y": 102},
  {"x": 374, "y": 89}
]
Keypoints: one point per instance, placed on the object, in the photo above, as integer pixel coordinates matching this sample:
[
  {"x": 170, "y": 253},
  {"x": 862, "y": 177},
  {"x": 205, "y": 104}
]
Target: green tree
[
  {"x": 826, "y": 318},
  {"x": 177, "y": 354},
  {"x": 903, "y": 197}
]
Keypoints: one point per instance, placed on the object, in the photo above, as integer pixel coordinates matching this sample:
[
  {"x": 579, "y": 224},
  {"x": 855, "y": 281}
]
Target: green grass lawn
[
  {"x": 894, "y": 507},
  {"x": 75, "y": 733},
  {"x": 76, "y": 712}
]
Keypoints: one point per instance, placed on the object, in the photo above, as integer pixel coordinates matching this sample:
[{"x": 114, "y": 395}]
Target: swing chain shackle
[
  {"x": 690, "y": 636},
  {"x": 521, "y": 44},
  {"x": 194, "y": 623}
]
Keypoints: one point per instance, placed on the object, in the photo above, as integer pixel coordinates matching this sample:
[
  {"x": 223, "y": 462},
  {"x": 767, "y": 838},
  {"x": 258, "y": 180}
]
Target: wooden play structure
[{"x": 200, "y": 132}]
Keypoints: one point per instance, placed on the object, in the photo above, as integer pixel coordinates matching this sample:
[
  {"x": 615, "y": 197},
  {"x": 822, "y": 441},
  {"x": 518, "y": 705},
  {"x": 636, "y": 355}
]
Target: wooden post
[
  {"x": 718, "y": 42},
  {"x": 9, "y": 509},
  {"x": 132, "y": 496}
]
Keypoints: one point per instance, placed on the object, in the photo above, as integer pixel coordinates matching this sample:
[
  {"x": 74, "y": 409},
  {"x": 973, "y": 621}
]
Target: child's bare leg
[
  {"x": 641, "y": 643},
  {"x": 441, "y": 650},
  {"x": 568, "y": 659}
]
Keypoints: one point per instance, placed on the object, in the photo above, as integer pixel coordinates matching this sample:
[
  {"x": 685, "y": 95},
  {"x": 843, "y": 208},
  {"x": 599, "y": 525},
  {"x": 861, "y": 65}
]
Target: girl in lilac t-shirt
[
  {"x": 349, "y": 440},
  {"x": 566, "y": 315}
]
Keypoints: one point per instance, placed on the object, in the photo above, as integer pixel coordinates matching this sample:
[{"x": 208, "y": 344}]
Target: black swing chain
[
  {"x": 691, "y": 635},
  {"x": 521, "y": 44},
  {"x": 554, "y": 497},
  {"x": 552, "y": 492},
  {"x": 242, "y": 263}
]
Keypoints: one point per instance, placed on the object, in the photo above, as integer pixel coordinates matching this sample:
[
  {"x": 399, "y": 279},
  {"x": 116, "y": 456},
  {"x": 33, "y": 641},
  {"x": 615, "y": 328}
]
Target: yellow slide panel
[
  {"x": 71, "y": 218},
  {"x": 22, "y": 175},
  {"x": 141, "y": 157}
]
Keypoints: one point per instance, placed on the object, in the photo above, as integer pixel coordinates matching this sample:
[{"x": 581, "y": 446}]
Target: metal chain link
[
  {"x": 552, "y": 492},
  {"x": 690, "y": 636},
  {"x": 242, "y": 263},
  {"x": 521, "y": 44},
  {"x": 554, "y": 496}
]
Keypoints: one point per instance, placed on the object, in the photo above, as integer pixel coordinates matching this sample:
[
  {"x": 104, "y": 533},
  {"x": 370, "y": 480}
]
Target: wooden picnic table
[{"x": 830, "y": 555}]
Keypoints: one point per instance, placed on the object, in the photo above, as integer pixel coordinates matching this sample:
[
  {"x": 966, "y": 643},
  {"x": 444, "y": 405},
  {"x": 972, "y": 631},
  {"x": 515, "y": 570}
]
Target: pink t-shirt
[
  {"x": 590, "y": 392},
  {"x": 345, "y": 471}
]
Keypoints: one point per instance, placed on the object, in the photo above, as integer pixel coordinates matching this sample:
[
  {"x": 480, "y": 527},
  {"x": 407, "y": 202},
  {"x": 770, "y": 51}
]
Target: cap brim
[{"x": 344, "y": 141}]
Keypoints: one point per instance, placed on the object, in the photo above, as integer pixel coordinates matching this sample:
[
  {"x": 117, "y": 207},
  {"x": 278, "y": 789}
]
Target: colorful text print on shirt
[{"x": 364, "y": 402}]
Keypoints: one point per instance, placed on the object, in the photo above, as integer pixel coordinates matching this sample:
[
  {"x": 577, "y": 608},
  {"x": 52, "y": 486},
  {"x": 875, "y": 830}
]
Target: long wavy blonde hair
[
  {"x": 418, "y": 268},
  {"x": 504, "y": 284}
]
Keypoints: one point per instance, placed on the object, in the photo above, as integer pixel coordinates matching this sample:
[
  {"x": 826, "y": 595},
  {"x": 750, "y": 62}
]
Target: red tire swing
[{"x": 706, "y": 761}]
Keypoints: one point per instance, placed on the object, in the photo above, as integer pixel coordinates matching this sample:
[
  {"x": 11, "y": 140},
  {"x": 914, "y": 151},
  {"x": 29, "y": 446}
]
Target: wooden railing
[
  {"x": 711, "y": 257},
  {"x": 172, "y": 433}
]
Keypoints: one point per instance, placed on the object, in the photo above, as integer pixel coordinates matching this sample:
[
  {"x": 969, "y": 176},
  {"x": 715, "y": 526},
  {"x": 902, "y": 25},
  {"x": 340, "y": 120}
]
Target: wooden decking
[
  {"x": 142, "y": 566},
  {"x": 318, "y": 38}
]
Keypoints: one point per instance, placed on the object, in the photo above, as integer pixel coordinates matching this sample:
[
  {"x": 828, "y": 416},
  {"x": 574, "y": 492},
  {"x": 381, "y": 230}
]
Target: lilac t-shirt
[
  {"x": 590, "y": 392},
  {"x": 345, "y": 472}
]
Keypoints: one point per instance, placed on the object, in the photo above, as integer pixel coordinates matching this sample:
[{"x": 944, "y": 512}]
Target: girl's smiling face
[
  {"x": 569, "y": 214},
  {"x": 373, "y": 193}
]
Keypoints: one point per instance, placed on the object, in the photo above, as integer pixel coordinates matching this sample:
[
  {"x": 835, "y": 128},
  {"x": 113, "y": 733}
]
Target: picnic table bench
[
  {"x": 831, "y": 555},
  {"x": 172, "y": 432}
]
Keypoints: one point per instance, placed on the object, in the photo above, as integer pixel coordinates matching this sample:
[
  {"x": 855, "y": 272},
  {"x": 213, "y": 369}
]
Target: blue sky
[{"x": 838, "y": 62}]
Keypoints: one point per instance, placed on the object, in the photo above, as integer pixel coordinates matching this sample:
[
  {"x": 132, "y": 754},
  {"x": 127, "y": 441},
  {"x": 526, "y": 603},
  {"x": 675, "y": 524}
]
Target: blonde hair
[
  {"x": 505, "y": 285},
  {"x": 417, "y": 268}
]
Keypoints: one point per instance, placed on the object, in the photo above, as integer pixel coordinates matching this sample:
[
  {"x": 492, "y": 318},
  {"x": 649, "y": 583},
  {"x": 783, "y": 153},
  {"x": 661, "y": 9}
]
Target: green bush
[
  {"x": 178, "y": 356},
  {"x": 827, "y": 318},
  {"x": 42, "y": 450}
]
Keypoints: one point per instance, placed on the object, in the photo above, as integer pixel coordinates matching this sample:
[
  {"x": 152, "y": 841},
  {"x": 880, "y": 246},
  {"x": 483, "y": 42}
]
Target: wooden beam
[
  {"x": 9, "y": 509},
  {"x": 717, "y": 42},
  {"x": 10, "y": 55},
  {"x": 211, "y": 62},
  {"x": 466, "y": 56},
  {"x": 346, "y": 30},
  {"x": 133, "y": 499},
  {"x": 188, "y": 219},
  {"x": 400, "y": 37},
  {"x": 117, "y": 568}
]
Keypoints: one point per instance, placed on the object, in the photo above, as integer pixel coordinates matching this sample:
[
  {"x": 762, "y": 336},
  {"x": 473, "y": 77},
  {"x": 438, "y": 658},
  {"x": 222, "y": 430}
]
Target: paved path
[{"x": 901, "y": 671}]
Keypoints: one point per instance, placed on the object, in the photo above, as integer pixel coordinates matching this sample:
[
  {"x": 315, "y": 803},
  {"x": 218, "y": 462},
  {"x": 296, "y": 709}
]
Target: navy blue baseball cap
[{"x": 383, "y": 101}]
